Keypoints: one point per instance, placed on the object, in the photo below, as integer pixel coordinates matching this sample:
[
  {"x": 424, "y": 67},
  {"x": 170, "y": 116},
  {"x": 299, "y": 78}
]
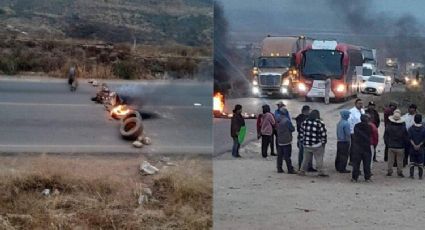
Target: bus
[{"x": 329, "y": 59}]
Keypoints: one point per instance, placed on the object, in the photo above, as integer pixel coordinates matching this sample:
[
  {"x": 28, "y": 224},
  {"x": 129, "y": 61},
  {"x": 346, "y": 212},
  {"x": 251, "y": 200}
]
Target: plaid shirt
[{"x": 313, "y": 133}]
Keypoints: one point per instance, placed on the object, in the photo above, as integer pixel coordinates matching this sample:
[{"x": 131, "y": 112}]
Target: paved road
[{"x": 44, "y": 116}]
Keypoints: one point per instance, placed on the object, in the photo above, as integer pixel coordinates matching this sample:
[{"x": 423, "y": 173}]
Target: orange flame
[
  {"x": 218, "y": 102},
  {"x": 120, "y": 110}
]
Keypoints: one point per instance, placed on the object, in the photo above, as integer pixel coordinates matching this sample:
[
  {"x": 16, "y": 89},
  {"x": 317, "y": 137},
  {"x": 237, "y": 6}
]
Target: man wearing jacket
[
  {"x": 355, "y": 114},
  {"x": 314, "y": 137},
  {"x": 343, "y": 144},
  {"x": 305, "y": 111},
  {"x": 361, "y": 149},
  {"x": 395, "y": 138},
  {"x": 374, "y": 115},
  {"x": 387, "y": 113},
  {"x": 235, "y": 126},
  {"x": 284, "y": 141}
]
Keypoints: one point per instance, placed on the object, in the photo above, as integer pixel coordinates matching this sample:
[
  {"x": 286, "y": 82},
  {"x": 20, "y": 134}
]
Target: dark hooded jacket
[
  {"x": 361, "y": 138},
  {"x": 284, "y": 128},
  {"x": 396, "y": 135},
  {"x": 236, "y": 123}
]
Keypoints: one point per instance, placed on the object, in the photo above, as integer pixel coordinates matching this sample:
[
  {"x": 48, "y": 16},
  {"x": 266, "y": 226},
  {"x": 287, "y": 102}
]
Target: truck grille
[
  {"x": 270, "y": 80},
  {"x": 370, "y": 90}
]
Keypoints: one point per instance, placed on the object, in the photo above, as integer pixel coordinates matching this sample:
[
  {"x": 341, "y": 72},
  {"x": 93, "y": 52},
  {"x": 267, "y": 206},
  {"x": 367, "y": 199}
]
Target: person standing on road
[
  {"x": 409, "y": 118},
  {"x": 374, "y": 139},
  {"x": 327, "y": 89},
  {"x": 267, "y": 124},
  {"x": 417, "y": 150},
  {"x": 375, "y": 119},
  {"x": 355, "y": 114},
  {"x": 395, "y": 138},
  {"x": 305, "y": 111},
  {"x": 343, "y": 144},
  {"x": 314, "y": 137},
  {"x": 389, "y": 111},
  {"x": 284, "y": 129},
  {"x": 277, "y": 114},
  {"x": 72, "y": 77},
  {"x": 235, "y": 126},
  {"x": 361, "y": 152}
]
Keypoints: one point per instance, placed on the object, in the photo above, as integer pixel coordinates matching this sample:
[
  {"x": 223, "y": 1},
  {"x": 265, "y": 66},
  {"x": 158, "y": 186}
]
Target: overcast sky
[{"x": 317, "y": 18}]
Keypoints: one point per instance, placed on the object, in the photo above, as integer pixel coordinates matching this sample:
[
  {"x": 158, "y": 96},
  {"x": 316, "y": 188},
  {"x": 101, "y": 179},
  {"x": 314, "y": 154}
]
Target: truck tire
[{"x": 131, "y": 129}]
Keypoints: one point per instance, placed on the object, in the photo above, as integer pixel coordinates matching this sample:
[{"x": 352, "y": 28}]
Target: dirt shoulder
[
  {"x": 249, "y": 194},
  {"x": 88, "y": 192}
]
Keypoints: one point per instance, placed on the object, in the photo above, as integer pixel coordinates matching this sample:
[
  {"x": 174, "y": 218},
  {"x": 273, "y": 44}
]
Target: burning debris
[
  {"x": 218, "y": 108},
  {"x": 120, "y": 111}
]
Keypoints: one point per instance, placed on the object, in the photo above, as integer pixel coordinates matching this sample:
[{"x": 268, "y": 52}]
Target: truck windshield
[
  {"x": 274, "y": 62},
  {"x": 322, "y": 64},
  {"x": 367, "y": 72}
]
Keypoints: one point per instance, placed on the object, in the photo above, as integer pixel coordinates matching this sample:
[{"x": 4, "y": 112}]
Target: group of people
[{"x": 357, "y": 139}]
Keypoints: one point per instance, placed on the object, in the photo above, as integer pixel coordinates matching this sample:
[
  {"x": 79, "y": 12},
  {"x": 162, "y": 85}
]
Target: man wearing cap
[
  {"x": 409, "y": 119},
  {"x": 375, "y": 119},
  {"x": 395, "y": 138},
  {"x": 277, "y": 115},
  {"x": 387, "y": 113}
]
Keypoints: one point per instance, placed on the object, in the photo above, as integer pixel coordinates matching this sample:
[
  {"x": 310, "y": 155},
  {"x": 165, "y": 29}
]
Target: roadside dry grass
[
  {"x": 410, "y": 96},
  {"x": 102, "y": 193}
]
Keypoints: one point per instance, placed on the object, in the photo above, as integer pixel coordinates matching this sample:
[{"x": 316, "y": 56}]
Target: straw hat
[{"x": 396, "y": 117}]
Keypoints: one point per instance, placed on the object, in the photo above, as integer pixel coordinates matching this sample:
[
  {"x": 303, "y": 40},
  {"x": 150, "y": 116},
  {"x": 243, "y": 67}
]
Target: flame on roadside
[
  {"x": 120, "y": 110},
  {"x": 218, "y": 102}
]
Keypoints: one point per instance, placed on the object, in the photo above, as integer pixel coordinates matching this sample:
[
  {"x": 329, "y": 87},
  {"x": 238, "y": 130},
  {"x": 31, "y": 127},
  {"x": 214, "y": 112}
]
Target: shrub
[{"x": 126, "y": 70}]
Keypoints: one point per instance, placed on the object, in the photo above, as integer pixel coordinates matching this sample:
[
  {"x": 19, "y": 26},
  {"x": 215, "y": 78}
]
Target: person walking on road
[
  {"x": 389, "y": 111},
  {"x": 267, "y": 124},
  {"x": 328, "y": 83},
  {"x": 235, "y": 126},
  {"x": 395, "y": 138},
  {"x": 284, "y": 129},
  {"x": 72, "y": 77},
  {"x": 355, "y": 114},
  {"x": 305, "y": 111},
  {"x": 417, "y": 149},
  {"x": 314, "y": 137},
  {"x": 361, "y": 152},
  {"x": 343, "y": 144}
]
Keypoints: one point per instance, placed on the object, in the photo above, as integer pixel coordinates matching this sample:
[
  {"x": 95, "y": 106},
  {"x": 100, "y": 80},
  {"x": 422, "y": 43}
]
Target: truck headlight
[
  {"x": 255, "y": 82},
  {"x": 302, "y": 87},
  {"x": 285, "y": 82},
  {"x": 406, "y": 79},
  {"x": 381, "y": 88},
  {"x": 388, "y": 78},
  {"x": 284, "y": 90},
  {"x": 340, "y": 88},
  {"x": 414, "y": 83},
  {"x": 255, "y": 90}
]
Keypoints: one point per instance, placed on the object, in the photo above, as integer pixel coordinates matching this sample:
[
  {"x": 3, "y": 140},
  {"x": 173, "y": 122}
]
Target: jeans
[
  {"x": 364, "y": 156},
  {"x": 317, "y": 153},
  {"x": 266, "y": 140},
  {"x": 301, "y": 156},
  {"x": 236, "y": 145},
  {"x": 284, "y": 152},
  {"x": 342, "y": 152}
]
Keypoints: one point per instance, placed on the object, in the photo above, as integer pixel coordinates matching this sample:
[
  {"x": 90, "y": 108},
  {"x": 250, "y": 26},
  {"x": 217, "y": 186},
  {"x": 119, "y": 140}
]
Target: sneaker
[
  {"x": 400, "y": 175},
  {"x": 345, "y": 171},
  {"x": 292, "y": 172},
  {"x": 280, "y": 171},
  {"x": 411, "y": 177},
  {"x": 420, "y": 178},
  {"x": 353, "y": 180},
  {"x": 375, "y": 160},
  {"x": 301, "y": 173},
  {"x": 273, "y": 154},
  {"x": 311, "y": 170},
  {"x": 389, "y": 174},
  {"x": 368, "y": 180}
]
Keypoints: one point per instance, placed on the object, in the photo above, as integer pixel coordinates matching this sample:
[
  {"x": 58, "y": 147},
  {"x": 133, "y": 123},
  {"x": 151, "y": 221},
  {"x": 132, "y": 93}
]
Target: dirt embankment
[{"x": 103, "y": 193}]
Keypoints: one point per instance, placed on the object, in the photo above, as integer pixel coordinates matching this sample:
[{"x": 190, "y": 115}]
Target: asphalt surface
[{"x": 43, "y": 116}]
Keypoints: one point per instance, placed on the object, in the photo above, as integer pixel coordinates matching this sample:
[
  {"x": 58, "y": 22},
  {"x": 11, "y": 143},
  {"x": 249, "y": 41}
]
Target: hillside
[{"x": 185, "y": 22}]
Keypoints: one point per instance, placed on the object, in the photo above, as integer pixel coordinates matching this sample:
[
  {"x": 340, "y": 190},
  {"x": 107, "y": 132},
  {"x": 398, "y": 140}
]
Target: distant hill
[{"x": 186, "y": 22}]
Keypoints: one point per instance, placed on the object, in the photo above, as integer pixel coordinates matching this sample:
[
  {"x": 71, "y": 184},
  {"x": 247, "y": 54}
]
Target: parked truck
[{"x": 274, "y": 71}]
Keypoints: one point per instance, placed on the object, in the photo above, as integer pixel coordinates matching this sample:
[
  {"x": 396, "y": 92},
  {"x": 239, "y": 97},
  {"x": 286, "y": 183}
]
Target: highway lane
[{"x": 44, "y": 116}]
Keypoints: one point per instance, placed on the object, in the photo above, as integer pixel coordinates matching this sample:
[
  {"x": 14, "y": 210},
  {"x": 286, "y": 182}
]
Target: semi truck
[{"x": 274, "y": 71}]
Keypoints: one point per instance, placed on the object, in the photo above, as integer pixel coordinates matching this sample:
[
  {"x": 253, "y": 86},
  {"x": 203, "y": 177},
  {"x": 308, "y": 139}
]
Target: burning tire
[
  {"x": 132, "y": 114},
  {"x": 131, "y": 128}
]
